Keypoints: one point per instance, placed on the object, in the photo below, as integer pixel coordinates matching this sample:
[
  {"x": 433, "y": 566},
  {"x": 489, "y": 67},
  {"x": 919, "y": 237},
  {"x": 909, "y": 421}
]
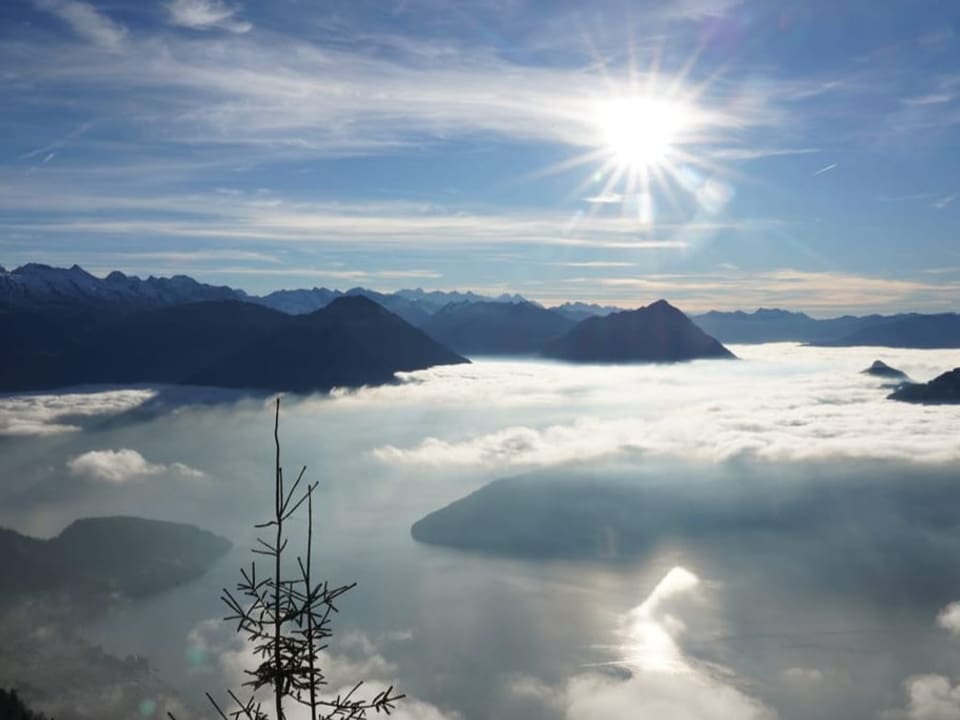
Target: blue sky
[{"x": 794, "y": 154}]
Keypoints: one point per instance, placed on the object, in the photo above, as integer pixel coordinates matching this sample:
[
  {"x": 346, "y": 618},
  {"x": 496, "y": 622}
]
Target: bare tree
[{"x": 288, "y": 622}]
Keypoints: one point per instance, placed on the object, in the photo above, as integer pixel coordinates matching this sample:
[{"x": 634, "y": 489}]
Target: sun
[{"x": 642, "y": 133}]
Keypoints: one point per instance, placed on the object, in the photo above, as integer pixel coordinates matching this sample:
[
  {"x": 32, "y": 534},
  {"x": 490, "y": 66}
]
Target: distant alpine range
[{"x": 65, "y": 326}]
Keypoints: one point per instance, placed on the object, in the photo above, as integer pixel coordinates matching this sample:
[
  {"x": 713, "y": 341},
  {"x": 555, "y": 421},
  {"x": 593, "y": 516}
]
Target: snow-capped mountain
[{"x": 36, "y": 285}]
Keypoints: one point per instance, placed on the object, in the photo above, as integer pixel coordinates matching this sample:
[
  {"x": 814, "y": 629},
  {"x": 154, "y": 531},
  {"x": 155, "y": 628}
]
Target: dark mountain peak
[
  {"x": 881, "y": 369},
  {"x": 33, "y": 269},
  {"x": 3, "y": 270},
  {"x": 117, "y": 277},
  {"x": 942, "y": 390},
  {"x": 658, "y": 332},
  {"x": 351, "y": 342},
  {"x": 660, "y": 306},
  {"x": 353, "y": 304}
]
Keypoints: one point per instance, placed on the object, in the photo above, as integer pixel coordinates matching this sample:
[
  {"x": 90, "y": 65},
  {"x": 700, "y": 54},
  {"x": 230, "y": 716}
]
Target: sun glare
[{"x": 641, "y": 133}]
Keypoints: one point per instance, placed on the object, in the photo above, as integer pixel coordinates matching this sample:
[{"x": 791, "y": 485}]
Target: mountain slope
[
  {"x": 942, "y": 390},
  {"x": 496, "y": 328},
  {"x": 351, "y": 342},
  {"x": 656, "y": 333},
  {"x": 130, "y": 555},
  {"x": 225, "y": 344},
  {"x": 880, "y": 369}
]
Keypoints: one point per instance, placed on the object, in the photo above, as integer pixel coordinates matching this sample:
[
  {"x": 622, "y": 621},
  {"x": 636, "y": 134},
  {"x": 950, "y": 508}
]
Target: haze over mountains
[
  {"x": 907, "y": 330},
  {"x": 496, "y": 327}
]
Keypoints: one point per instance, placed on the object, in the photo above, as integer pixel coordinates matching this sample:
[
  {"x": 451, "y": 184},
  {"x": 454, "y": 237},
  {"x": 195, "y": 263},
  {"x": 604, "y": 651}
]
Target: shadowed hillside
[
  {"x": 351, "y": 342},
  {"x": 656, "y": 333}
]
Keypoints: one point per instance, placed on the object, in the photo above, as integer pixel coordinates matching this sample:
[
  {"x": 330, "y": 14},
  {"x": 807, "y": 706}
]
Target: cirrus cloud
[
  {"x": 86, "y": 21},
  {"x": 206, "y": 14}
]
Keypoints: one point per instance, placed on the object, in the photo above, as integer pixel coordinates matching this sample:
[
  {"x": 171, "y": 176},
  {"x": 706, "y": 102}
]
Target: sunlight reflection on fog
[{"x": 649, "y": 634}]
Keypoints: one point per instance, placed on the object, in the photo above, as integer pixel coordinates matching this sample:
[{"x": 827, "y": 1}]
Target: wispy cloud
[
  {"x": 945, "y": 201},
  {"x": 930, "y": 99},
  {"x": 819, "y": 292},
  {"x": 206, "y": 15},
  {"x": 190, "y": 256},
  {"x": 282, "y": 91},
  {"x": 757, "y": 153},
  {"x": 607, "y": 198},
  {"x": 827, "y": 168},
  {"x": 331, "y": 273},
  {"x": 595, "y": 264},
  {"x": 86, "y": 21},
  {"x": 266, "y": 218}
]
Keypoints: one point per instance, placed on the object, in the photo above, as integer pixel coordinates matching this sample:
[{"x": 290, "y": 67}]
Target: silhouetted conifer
[
  {"x": 287, "y": 621},
  {"x": 12, "y": 707}
]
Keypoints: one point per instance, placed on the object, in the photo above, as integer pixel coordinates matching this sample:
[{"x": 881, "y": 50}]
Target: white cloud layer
[
  {"x": 49, "y": 414},
  {"x": 781, "y": 402},
  {"x": 122, "y": 466}
]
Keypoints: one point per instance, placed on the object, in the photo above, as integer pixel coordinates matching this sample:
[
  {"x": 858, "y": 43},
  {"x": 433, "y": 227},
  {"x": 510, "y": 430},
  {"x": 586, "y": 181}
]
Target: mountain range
[
  {"x": 908, "y": 330},
  {"x": 35, "y": 286},
  {"x": 66, "y": 326},
  {"x": 351, "y": 342}
]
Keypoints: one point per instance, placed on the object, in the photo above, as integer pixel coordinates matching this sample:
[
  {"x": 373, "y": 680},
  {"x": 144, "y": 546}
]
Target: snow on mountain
[{"x": 35, "y": 285}]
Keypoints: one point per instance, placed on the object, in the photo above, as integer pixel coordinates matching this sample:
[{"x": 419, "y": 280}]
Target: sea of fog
[{"x": 832, "y": 600}]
